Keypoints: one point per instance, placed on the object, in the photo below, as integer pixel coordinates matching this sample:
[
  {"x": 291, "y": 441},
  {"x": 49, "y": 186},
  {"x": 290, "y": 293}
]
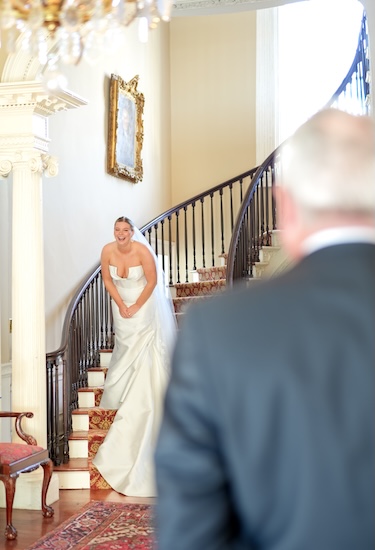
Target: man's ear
[
  {"x": 289, "y": 221},
  {"x": 284, "y": 207}
]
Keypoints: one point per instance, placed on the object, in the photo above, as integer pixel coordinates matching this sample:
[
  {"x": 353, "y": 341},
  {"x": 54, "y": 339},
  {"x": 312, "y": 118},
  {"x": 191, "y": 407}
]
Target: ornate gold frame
[{"x": 125, "y": 129}]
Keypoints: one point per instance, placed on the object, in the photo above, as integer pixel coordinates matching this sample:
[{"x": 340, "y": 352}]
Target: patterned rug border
[{"x": 94, "y": 528}]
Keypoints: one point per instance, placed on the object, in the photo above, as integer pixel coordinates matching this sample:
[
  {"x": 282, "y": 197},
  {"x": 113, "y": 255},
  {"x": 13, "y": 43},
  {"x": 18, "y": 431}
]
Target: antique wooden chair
[{"x": 16, "y": 458}]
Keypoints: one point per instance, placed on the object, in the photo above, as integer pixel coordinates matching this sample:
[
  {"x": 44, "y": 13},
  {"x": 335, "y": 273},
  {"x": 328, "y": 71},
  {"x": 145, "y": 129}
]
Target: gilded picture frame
[{"x": 125, "y": 129}]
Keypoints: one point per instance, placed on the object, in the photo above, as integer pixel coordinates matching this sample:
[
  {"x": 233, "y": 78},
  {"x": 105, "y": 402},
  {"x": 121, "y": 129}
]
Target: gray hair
[{"x": 328, "y": 165}]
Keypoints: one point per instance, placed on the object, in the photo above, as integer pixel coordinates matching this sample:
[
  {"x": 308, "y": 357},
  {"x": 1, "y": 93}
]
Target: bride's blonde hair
[{"x": 126, "y": 220}]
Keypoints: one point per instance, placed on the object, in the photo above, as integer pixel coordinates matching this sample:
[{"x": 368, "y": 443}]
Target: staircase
[{"x": 91, "y": 423}]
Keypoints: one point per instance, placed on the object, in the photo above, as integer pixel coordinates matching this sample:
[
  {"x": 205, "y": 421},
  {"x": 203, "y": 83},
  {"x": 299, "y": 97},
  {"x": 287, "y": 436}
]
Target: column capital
[{"x": 33, "y": 160}]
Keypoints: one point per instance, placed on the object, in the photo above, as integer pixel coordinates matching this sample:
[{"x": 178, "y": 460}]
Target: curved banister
[
  {"x": 86, "y": 282},
  {"x": 247, "y": 261},
  {"x": 360, "y": 67},
  {"x": 248, "y": 237},
  {"x": 88, "y": 324}
]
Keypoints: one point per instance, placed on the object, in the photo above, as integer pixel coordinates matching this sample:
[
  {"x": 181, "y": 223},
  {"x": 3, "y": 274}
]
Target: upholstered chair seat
[{"x": 17, "y": 458}]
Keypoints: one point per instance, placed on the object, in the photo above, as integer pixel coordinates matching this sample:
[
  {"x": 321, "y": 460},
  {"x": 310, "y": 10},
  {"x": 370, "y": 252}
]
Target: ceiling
[{"x": 209, "y": 7}]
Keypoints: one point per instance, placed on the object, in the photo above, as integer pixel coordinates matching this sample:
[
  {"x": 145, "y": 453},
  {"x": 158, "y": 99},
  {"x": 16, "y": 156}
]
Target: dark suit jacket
[{"x": 268, "y": 436}]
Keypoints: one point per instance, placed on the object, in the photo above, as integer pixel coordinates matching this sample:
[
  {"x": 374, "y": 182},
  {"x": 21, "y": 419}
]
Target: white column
[
  {"x": 23, "y": 154},
  {"x": 29, "y": 353},
  {"x": 266, "y": 83}
]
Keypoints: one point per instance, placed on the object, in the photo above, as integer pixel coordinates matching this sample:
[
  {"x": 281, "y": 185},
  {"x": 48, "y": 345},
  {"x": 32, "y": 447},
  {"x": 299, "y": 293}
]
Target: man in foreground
[{"x": 268, "y": 434}]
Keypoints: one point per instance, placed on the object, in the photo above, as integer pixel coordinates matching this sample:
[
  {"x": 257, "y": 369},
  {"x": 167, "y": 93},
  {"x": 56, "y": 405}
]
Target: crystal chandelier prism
[{"x": 82, "y": 28}]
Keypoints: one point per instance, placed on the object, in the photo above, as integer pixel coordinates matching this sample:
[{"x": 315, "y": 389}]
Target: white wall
[{"x": 82, "y": 202}]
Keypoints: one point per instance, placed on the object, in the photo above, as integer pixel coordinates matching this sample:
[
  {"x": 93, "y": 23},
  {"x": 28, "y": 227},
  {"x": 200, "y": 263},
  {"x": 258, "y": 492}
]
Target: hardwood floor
[{"x": 31, "y": 525}]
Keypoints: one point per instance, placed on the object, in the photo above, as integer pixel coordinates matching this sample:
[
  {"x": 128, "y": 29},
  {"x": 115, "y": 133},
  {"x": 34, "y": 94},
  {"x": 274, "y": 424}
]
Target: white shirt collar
[{"x": 338, "y": 235}]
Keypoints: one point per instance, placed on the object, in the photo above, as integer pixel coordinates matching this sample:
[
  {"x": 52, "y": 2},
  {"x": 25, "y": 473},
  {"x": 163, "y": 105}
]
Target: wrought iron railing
[
  {"x": 258, "y": 213},
  {"x": 237, "y": 216},
  {"x": 353, "y": 94},
  {"x": 193, "y": 234}
]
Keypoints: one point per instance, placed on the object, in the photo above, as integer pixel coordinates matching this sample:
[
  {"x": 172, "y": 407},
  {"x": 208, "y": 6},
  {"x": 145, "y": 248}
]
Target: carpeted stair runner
[
  {"x": 100, "y": 421},
  {"x": 211, "y": 280},
  {"x": 200, "y": 288}
]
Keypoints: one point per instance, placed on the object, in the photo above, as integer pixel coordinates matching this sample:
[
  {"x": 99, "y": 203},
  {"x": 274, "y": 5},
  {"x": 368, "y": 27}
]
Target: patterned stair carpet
[
  {"x": 99, "y": 525},
  {"x": 100, "y": 421},
  {"x": 211, "y": 280}
]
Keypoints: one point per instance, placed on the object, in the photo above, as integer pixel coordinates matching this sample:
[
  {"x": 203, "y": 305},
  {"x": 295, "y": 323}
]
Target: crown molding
[
  {"x": 208, "y": 7},
  {"x": 32, "y": 95}
]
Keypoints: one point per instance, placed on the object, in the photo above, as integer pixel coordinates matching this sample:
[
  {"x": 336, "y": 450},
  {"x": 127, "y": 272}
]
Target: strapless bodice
[{"x": 136, "y": 277}]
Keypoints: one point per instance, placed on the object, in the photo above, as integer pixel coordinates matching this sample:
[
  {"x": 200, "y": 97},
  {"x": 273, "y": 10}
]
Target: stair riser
[
  {"x": 96, "y": 378},
  {"x": 105, "y": 358},
  {"x": 199, "y": 289},
  {"x": 80, "y": 422},
  {"x": 96, "y": 480},
  {"x": 86, "y": 400},
  {"x": 101, "y": 419},
  {"x": 211, "y": 273},
  {"x": 78, "y": 448},
  {"x": 94, "y": 444},
  {"x": 79, "y": 479}
]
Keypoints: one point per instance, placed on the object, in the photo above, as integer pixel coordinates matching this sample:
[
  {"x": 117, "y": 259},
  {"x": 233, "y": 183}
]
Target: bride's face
[{"x": 123, "y": 233}]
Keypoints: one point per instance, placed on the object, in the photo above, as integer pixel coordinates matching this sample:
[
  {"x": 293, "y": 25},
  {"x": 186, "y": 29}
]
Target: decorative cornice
[
  {"x": 23, "y": 142},
  {"x": 32, "y": 95},
  {"x": 200, "y": 7}
]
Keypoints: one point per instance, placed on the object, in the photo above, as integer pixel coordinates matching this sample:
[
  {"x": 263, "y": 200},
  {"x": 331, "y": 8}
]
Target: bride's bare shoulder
[
  {"x": 108, "y": 248},
  {"x": 139, "y": 247}
]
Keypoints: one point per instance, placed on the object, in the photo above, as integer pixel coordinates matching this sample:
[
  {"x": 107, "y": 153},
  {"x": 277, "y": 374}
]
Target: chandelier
[{"x": 81, "y": 28}]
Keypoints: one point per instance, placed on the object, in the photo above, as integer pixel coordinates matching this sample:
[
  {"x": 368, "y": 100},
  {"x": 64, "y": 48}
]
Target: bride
[{"x": 138, "y": 373}]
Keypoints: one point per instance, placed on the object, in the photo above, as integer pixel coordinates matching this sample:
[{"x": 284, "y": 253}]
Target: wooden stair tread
[
  {"x": 85, "y": 434},
  {"x": 74, "y": 464},
  {"x": 99, "y": 369},
  {"x": 79, "y": 434},
  {"x": 91, "y": 389},
  {"x": 93, "y": 410},
  {"x": 82, "y": 411}
]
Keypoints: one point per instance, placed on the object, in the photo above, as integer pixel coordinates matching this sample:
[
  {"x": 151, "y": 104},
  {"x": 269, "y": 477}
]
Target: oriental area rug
[{"x": 103, "y": 526}]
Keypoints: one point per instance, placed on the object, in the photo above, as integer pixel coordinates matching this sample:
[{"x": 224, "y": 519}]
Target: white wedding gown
[{"x": 135, "y": 384}]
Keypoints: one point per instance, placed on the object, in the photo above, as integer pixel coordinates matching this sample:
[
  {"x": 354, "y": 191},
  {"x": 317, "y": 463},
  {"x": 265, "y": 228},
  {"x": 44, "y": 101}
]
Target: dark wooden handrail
[
  {"x": 356, "y": 84},
  {"x": 249, "y": 237},
  {"x": 183, "y": 240},
  {"x": 249, "y": 233}
]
